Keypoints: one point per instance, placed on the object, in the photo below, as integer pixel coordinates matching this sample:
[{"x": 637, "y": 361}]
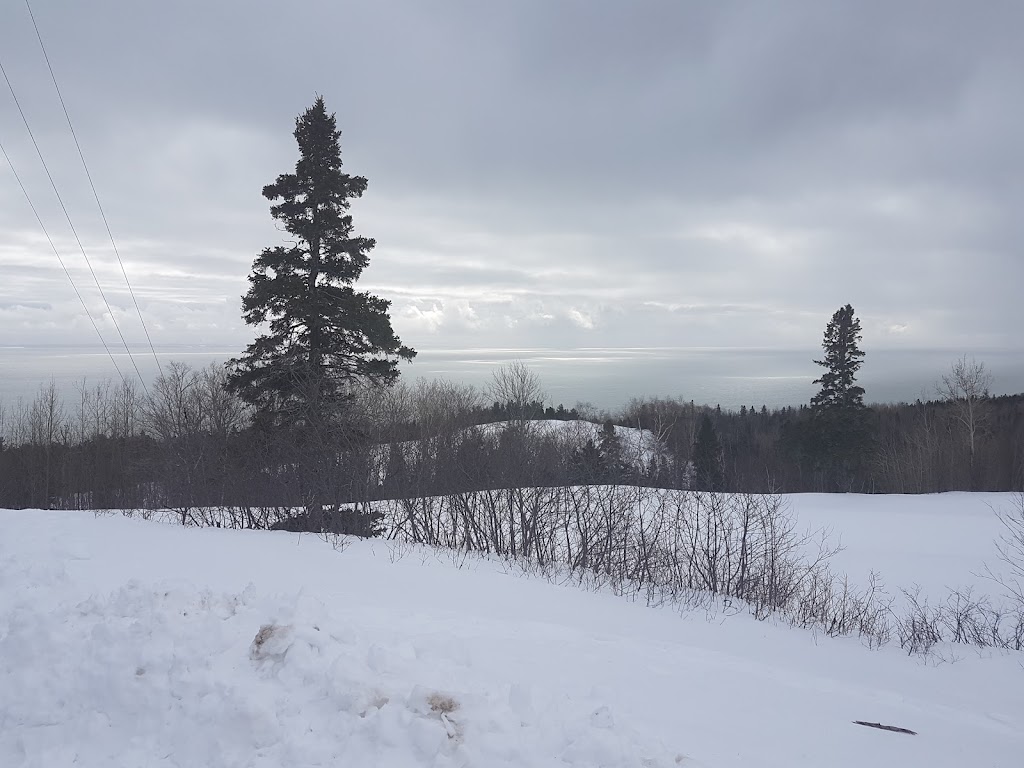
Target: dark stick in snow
[{"x": 893, "y": 728}]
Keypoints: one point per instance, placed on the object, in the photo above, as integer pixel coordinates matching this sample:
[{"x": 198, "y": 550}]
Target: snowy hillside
[
  {"x": 638, "y": 445},
  {"x": 127, "y": 643}
]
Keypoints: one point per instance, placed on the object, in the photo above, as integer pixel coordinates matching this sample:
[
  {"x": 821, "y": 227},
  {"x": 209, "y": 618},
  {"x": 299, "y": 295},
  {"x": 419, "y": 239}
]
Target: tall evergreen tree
[
  {"x": 839, "y": 434},
  {"x": 708, "y": 474},
  {"x": 323, "y": 337},
  {"x": 843, "y": 359}
]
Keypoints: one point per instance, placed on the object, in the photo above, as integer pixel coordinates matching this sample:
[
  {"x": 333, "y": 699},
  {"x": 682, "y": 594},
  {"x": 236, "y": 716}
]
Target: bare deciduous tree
[
  {"x": 440, "y": 406},
  {"x": 516, "y": 386},
  {"x": 966, "y": 388}
]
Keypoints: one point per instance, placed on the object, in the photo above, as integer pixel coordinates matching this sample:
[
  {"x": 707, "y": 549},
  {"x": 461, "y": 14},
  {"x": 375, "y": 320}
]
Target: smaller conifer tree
[
  {"x": 708, "y": 474},
  {"x": 610, "y": 447}
]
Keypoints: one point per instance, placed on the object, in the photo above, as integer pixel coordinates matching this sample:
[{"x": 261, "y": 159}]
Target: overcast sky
[{"x": 541, "y": 174}]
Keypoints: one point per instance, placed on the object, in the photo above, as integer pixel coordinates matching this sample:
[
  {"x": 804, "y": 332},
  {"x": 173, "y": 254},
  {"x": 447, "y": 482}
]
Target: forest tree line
[{"x": 190, "y": 442}]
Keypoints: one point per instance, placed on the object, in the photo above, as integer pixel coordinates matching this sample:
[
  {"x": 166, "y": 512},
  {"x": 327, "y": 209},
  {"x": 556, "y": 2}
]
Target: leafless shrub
[
  {"x": 963, "y": 618},
  {"x": 661, "y": 546},
  {"x": 1010, "y": 547},
  {"x": 919, "y": 628},
  {"x": 839, "y": 608}
]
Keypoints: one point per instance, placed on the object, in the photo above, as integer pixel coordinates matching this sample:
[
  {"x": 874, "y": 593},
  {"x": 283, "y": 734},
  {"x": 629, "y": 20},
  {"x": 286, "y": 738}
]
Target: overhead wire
[
  {"x": 92, "y": 186},
  {"x": 74, "y": 232},
  {"x": 62, "y": 264}
]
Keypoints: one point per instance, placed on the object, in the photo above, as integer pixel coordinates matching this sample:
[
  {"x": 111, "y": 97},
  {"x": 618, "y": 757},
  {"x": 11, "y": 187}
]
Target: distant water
[
  {"x": 607, "y": 378},
  {"x": 730, "y": 377},
  {"x": 24, "y": 369}
]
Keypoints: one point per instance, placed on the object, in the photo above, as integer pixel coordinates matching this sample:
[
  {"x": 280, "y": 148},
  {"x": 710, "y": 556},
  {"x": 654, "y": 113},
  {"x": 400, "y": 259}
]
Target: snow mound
[
  {"x": 127, "y": 643},
  {"x": 187, "y": 678}
]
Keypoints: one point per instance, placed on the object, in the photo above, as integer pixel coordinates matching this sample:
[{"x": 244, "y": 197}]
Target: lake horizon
[{"x": 604, "y": 377}]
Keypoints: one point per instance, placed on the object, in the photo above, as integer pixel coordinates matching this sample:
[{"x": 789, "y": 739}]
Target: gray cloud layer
[{"x": 541, "y": 174}]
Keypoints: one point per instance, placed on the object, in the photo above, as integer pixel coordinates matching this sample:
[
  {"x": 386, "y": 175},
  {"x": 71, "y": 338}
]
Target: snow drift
[{"x": 127, "y": 643}]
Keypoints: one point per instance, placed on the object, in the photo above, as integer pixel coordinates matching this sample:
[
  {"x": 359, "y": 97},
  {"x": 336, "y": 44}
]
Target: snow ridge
[
  {"x": 175, "y": 677},
  {"x": 132, "y": 643}
]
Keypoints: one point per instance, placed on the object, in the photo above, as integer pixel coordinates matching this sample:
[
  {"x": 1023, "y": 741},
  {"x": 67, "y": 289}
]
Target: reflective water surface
[{"x": 604, "y": 377}]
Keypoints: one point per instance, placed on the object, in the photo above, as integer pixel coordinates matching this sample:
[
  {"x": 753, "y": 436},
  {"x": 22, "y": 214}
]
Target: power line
[
  {"x": 63, "y": 266},
  {"x": 92, "y": 186},
  {"x": 72, "y": 226}
]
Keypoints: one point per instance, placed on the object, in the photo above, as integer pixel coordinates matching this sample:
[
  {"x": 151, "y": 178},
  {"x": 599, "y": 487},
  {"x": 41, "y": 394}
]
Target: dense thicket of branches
[{"x": 189, "y": 443}]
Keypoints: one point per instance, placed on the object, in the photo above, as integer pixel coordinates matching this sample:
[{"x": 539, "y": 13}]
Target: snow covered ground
[
  {"x": 936, "y": 541},
  {"x": 127, "y": 643}
]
